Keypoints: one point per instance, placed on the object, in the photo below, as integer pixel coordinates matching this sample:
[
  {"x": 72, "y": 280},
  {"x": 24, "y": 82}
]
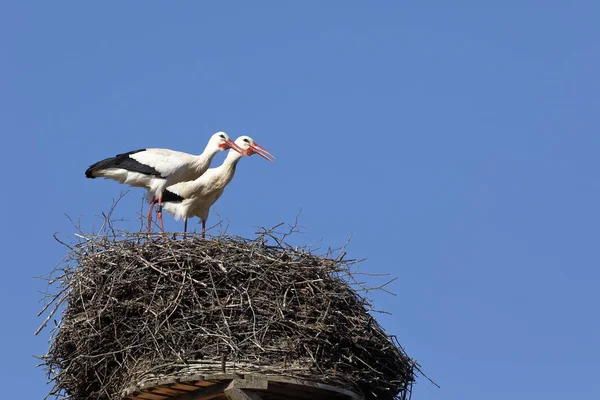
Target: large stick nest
[{"x": 137, "y": 310}]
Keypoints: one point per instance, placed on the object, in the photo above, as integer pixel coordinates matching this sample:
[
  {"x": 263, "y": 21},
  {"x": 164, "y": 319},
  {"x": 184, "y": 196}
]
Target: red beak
[
  {"x": 231, "y": 144},
  {"x": 261, "y": 151}
]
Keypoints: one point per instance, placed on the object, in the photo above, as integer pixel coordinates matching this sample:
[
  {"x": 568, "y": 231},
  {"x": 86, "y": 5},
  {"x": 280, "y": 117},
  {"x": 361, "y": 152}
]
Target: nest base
[{"x": 238, "y": 387}]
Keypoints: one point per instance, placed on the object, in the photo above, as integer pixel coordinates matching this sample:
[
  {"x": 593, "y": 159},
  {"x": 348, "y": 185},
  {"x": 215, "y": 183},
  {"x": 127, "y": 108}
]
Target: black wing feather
[{"x": 122, "y": 161}]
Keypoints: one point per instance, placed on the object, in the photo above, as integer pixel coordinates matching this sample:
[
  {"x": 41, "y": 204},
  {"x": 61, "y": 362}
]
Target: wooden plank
[
  {"x": 297, "y": 393},
  {"x": 187, "y": 388},
  {"x": 251, "y": 381},
  {"x": 204, "y": 383},
  {"x": 151, "y": 396},
  {"x": 138, "y": 396},
  {"x": 241, "y": 394},
  {"x": 207, "y": 393},
  {"x": 237, "y": 388},
  {"x": 167, "y": 391},
  {"x": 307, "y": 385}
]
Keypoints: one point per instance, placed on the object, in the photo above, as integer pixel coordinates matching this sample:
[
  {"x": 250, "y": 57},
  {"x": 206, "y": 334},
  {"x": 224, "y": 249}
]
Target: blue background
[{"x": 457, "y": 141}]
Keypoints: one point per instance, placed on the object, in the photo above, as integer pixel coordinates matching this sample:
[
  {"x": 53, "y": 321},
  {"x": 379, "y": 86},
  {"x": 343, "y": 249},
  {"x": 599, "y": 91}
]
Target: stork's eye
[
  {"x": 222, "y": 136},
  {"x": 246, "y": 140}
]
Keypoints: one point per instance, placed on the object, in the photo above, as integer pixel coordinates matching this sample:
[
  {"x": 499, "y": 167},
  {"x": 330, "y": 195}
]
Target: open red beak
[
  {"x": 261, "y": 151},
  {"x": 231, "y": 144}
]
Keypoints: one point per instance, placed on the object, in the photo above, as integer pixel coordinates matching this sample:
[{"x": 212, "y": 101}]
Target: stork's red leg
[
  {"x": 150, "y": 214},
  {"x": 159, "y": 215},
  {"x": 203, "y": 229},
  {"x": 184, "y": 227}
]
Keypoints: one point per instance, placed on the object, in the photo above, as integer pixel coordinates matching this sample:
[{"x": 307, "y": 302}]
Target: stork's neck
[
  {"x": 227, "y": 169},
  {"x": 204, "y": 159},
  {"x": 210, "y": 151}
]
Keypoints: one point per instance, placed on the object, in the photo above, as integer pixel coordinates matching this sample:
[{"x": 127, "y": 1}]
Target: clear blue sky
[{"x": 458, "y": 143}]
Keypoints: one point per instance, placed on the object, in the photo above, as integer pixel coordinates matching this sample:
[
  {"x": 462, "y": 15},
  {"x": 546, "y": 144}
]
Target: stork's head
[
  {"x": 249, "y": 147},
  {"x": 223, "y": 142}
]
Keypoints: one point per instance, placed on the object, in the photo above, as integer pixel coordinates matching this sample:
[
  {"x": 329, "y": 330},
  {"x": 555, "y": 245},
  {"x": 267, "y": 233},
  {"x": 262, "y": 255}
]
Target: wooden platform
[{"x": 239, "y": 387}]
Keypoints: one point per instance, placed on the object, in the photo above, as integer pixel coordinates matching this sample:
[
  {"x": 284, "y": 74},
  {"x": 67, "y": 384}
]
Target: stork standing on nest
[
  {"x": 194, "y": 199},
  {"x": 155, "y": 169}
]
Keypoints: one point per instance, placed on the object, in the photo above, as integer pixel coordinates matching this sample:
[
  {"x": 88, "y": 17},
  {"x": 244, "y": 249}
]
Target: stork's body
[
  {"x": 156, "y": 169},
  {"x": 194, "y": 199}
]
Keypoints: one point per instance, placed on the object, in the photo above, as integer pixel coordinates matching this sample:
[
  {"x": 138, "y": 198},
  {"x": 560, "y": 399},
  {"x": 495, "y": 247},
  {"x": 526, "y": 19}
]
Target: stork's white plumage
[
  {"x": 194, "y": 199},
  {"x": 155, "y": 169}
]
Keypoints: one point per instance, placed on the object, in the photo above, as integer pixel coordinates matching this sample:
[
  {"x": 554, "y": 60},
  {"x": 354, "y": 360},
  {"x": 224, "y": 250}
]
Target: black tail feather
[
  {"x": 106, "y": 163},
  {"x": 170, "y": 197}
]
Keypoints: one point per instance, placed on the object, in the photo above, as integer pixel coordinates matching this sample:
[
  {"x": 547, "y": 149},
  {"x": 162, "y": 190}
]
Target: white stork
[
  {"x": 194, "y": 199},
  {"x": 155, "y": 169}
]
